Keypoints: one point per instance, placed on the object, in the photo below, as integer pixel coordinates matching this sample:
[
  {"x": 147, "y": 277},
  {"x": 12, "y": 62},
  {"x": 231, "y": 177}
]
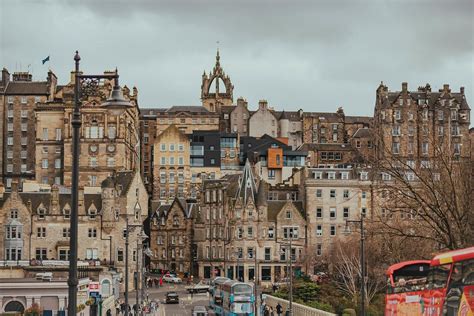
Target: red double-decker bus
[{"x": 441, "y": 286}]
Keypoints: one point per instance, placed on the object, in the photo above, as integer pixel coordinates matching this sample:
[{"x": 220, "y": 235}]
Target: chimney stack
[
  {"x": 404, "y": 86},
  {"x": 262, "y": 104},
  {"x": 446, "y": 87},
  {"x": 462, "y": 90}
]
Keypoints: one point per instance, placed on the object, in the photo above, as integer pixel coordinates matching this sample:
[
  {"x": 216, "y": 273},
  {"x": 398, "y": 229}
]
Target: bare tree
[
  {"x": 347, "y": 272},
  {"x": 426, "y": 198}
]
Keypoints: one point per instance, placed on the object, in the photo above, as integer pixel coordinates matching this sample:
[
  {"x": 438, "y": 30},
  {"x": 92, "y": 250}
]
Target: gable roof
[
  {"x": 27, "y": 88},
  {"x": 274, "y": 208}
]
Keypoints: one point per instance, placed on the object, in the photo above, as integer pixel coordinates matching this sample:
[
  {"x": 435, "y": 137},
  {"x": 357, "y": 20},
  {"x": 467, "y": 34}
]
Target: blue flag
[{"x": 45, "y": 60}]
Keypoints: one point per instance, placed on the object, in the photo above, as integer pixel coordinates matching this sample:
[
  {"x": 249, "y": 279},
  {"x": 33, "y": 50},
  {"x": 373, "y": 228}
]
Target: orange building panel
[{"x": 275, "y": 158}]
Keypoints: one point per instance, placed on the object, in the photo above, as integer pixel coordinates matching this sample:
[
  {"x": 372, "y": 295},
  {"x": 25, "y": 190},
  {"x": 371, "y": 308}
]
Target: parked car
[
  {"x": 171, "y": 278},
  {"x": 200, "y": 311},
  {"x": 200, "y": 287},
  {"x": 172, "y": 297}
]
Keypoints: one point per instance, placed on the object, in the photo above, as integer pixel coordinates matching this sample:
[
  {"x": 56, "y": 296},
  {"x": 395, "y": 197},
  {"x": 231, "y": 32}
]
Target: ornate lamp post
[{"x": 116, "y": 105}]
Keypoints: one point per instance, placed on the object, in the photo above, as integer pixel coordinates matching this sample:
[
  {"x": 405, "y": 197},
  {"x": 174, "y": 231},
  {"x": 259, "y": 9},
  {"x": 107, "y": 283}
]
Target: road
[{"x": 186, "y": 302}]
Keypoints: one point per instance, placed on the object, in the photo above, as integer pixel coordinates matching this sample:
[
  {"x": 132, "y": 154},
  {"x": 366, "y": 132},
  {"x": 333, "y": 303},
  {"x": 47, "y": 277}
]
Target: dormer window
[
  {"x": 175, "y": 220},
  {"x": 92, "y": 213},
  {"x": 454, "y": 114},
  {"x": 288, "y": 214},
  {"x": 41, "y": 212},
  {"x": 364, "y": 176},
  {"x": 67, "y": 212},
  {"x": 14, "y": 214}
]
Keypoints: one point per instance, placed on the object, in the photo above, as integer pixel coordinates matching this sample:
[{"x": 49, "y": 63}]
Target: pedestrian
[
  {"x": 161, "y": 281},
  {"x": 272, "y": 313},
  {"x": 279, "y": 309}
]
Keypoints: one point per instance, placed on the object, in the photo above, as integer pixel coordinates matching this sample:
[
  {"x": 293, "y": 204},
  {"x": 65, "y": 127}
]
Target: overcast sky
[{"x": 314, "y": 55}]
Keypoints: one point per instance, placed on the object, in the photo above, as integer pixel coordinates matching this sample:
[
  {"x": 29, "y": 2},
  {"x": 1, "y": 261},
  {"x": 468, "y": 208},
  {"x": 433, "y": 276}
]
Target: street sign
[{"x": 94, "y": 287}]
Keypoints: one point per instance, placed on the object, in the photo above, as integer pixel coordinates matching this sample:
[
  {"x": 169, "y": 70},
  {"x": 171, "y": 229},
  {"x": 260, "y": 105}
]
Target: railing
[{"x": 298, "y": 309}]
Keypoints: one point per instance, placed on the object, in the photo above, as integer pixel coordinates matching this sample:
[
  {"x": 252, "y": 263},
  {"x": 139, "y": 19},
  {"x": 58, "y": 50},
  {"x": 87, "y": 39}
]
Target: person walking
[
  {"x": 279, "y": 309},
  {"x": 161, "y": 281}
]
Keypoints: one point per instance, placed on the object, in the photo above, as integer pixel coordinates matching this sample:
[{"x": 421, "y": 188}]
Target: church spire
[{"x": 247, "y": 186}]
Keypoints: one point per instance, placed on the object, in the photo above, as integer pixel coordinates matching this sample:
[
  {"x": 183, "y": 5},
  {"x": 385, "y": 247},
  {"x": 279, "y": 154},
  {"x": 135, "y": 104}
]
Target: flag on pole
[{"x": 45, "y": 60}]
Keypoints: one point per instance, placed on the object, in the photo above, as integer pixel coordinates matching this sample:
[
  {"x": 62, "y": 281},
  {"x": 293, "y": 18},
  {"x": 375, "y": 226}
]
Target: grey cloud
[{"x": 314, "y": 55}]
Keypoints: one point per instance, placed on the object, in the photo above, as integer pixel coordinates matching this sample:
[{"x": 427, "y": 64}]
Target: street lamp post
[
  {"x": 116, "y": 104},
  {"x": 362, "y": 260},
  {"x": 142, "y": 237}
]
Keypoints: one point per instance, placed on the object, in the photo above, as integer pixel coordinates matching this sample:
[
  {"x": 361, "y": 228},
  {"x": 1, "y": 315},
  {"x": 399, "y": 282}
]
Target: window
[
  {"x": 395, "y": 148},
  {"x": 424, "y": 148},
  {"x": 454, "y": 114},
  {"x": 346, "y": 194},
  {"x": 345, "y": 212},
  {"x": 344, "y": 175},
  {"x": 110, "y": 162},
  {"x": 176, "y": 220},
  {"x": 332, "y": 212},
  {"x": 410, "y": 146},
  {"x": 10, "y": 141},
  {"x": 333, "y": 230},
  {"x": 171, "y": 161},
  {"x": 57, "y": 163},
  {"x": 163, "y": 147},
  {"x": 14, "y": 214},
  {"x": 396, "y": 130},
  {"x": 92, "y": 213},
  {"x": 13, "y": 253},
  {"x": 424, "y": 114},
  {"x": 319, "y": 193},
  {"x": 331, "y": 175},
  {"x": 319, "y": 250},
  {"x": 332, "y": 193},
  {"x": 410, "y": 116},
  {"x": 358, "y": 144},
  {"x": 386, "y": 176},
  {"x": 41, "y": 253},
  {"x": 398, "y": 114},
  {"x": 93, "y": 181},
  {"x": 9, "y": 167},
  {"x": 440, "y": 115},
  {"x": 271, "y": 173},
  {"x": 45, "y": 134},
  {"x": 410, "y": 176},
  {"x": 10, "y": 114},
  {"x": 24, "y": 114},
  {"x": 92, "y": 233},
  {"x": 457, "y": 148},
  {"x": 363, "y": 211},
  {"x": 163, "y": 161},
  {"x": 63, "y": 254},
  {"x": 290, "y": 232},
  {"x": 93, "y": 161},
  {"x": 13, "y": 232},
  {"x": 10, "y": 127},
  {"x": 240, "y": 232},
  {"x": 319, "y": 230},
  {"x": 250, "y": 253},
  {"x": 318, "y": 175},
  {"x": 66, "y": 232},
  {"x": 41, "y": 232},
  {"x": 171, "y": 147},
  {"x": 92, "y": 253},
  {"x": 440, "y": 130},
  {"x": 44, "y": 164},
  {"x": 271, "y": 232},
  {"x": 268, "y": 255},
  {"x": 288, "y": 214},
  {"x": 319, "y": 212}
]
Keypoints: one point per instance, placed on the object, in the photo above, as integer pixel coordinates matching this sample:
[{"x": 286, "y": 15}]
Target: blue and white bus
[{"x": 234, "y": 298}]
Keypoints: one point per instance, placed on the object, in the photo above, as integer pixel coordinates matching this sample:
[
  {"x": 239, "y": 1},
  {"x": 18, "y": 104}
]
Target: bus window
[
  {"x": 242, "y": 289},
  {"x": 438, "y": 276},
  {"x": 468, "y": 272}
]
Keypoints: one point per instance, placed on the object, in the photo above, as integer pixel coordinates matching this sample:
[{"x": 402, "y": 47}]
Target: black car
[{"x": 172, "y": 297}]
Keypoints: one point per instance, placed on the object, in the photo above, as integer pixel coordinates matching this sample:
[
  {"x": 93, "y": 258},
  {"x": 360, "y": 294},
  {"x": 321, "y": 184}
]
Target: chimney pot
[
  {"x": 462, "y": 90},
  {"x": 446, "y": 87}
]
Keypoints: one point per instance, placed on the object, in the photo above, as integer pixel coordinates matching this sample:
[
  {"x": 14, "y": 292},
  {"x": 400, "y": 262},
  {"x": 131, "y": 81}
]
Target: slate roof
[
  {"x": 431, "y": 97},
  {"x": 363, "y": 133},
  {"x": 187, "y": 108},
  {"x": 358, "y": 119},
  {"x": 121, "y": 179},
  {"x": 274, "y": 207},
  {"x": 292, "y": 116},
  {"x": 327, "y": 115},
  {"x": 27, "y": 88},
  {"x": 37, "y": 198}
]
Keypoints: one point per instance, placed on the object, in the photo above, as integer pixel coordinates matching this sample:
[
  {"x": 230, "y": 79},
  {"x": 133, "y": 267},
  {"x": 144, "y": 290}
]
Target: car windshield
[{"x": 173, "y": 294}]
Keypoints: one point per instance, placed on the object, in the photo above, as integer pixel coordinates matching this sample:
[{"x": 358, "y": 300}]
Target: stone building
[
  {"x": 35, "y": 224},
  {"x": 238, "y": 118},
  {"x": 171, "y": 165},
  {"x": 333, "y": 195},
  {"x": 171, "y": 235},
  {"x": 413, "y": 124},
  {"x": 111, "y": 142},
  {"x": 291, "y": 127},
  {"x": 19, "y": 96},
  {"x": 263, "y": 121}
]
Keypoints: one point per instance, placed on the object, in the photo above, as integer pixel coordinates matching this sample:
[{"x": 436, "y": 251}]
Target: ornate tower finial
[{"x": 218, "y": 58}]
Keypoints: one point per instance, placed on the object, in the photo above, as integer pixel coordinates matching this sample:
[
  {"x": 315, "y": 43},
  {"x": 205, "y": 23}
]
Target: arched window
[
  {"x": 105, "y": 290},
  {"x": 14, "y": 306}
]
